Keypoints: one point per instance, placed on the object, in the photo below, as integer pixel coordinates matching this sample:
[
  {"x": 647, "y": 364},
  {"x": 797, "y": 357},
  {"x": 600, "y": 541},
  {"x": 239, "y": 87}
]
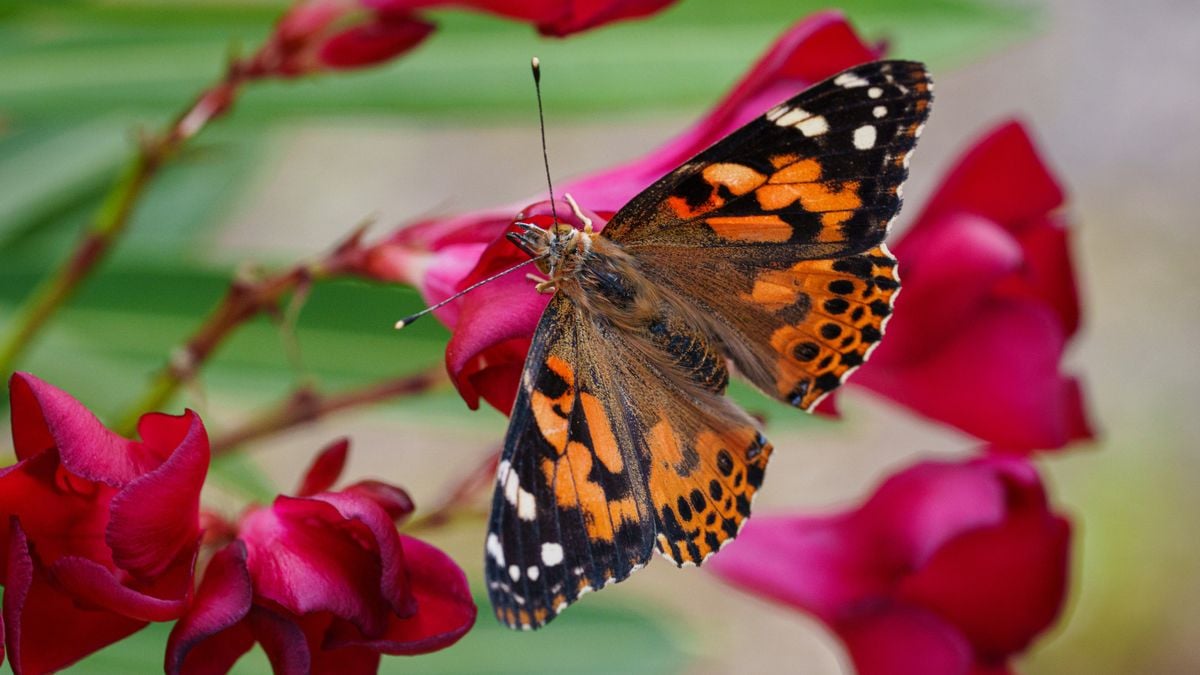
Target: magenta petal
[
  {"x": 325, "y": 469},
  {"x": 95, "y": 585},
  {"x": 210, "y": 637},
  {"x": 444, "y": 613},
  {"x": 998, "y": 380},
  {"x": 282, "y": 640},
  {"x": 375, "y": 42},
  {"x": 819, "y": 565},
  {"x": 393, "y": 575},
  {"x": 156, "y": 518},
  {"x": 949, "y": 270},
  {"x": 901, "y": 640},
  {"x": 916, "y": 511},
  {"x": 393, "y": 500},
  {"x": 47, "y": 628},
  {"x": 46, "y": 416},
  {"x": 16, "y": 588},
  {"x": 1001, "y": 602},
  {"x": 1001, "y": 178},
  {"x": 305, "y": 556}
]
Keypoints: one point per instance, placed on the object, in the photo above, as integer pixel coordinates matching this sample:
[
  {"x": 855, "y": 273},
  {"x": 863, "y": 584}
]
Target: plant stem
[
  {"x": 244, "y": 300},
  {"x": 307, "y": 404},
  {"x": 112, "y": 218}
]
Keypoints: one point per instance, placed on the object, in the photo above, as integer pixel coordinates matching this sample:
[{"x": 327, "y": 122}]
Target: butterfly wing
[
  {"x": 595, "y": 472},
  {"x": 777, "y": 230}
]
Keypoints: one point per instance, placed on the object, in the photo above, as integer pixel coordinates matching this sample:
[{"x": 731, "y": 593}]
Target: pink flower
[
  {"x": 493, "y": 325},
  {"x": 989, "y": 304},
  {"x": 98, "y": 534},
  {"x": 948, "y": 568},
  {"x": 325, "y": 583}
]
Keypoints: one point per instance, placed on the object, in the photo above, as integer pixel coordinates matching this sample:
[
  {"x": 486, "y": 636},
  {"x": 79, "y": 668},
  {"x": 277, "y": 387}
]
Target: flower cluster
[
  {"x": 101, "y": 535},
  {"x": 949, "y": 567}
]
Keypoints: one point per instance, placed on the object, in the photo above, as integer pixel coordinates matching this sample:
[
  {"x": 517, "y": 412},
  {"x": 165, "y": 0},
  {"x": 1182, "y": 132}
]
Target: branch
[
  {"x": 244, "y": 300},
  {"x": 112, "y": 219},
  {"x": 306, "y": 404}
]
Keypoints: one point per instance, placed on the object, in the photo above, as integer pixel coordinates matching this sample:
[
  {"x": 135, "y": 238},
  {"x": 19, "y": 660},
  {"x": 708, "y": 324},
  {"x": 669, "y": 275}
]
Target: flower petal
[
  {"x": 1001, "y": 585},
  {"x": 155, "y": 520},
  {"x": 305, "y": 556},
  {"x": 999, "y": 380},
  {"x": 211, "y": 636},
  {"x": 325, "y": 469},
  {"x": 394, "y": 500},
  {"x": 905, "y": 640},
  {"x": 376, "y": 41},
  {"x": 94, "y": 585},
  {"x": 47, "y": 629},
  {"x": 45, "y": 416},
  {"x": 444, "y": 613}
]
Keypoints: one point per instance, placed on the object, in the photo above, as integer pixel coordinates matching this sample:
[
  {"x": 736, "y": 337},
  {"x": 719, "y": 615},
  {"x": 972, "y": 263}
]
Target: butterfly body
[{"x": 765, "y": 252}]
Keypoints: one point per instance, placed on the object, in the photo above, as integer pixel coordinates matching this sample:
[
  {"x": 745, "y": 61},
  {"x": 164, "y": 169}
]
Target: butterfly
[{"x": 765, "y": 251}]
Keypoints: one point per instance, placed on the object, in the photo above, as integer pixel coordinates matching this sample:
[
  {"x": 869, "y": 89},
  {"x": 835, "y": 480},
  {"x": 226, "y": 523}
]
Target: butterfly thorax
[{"x": 605, "y": 283}]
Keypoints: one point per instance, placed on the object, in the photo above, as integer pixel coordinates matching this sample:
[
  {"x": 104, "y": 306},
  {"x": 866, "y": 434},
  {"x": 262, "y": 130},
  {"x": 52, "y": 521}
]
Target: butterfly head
[{"x": 556, "y": 248}]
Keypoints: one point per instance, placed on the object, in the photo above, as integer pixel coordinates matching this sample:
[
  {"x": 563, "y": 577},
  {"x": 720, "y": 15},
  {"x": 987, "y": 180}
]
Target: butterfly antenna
[
  {"x": 408, "y": 320},
  {"x": 536, "y": 65}
]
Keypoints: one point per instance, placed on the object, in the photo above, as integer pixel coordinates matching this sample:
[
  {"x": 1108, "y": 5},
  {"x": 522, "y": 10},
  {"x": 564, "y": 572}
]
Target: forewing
[
  {"x": 814, "y": 177},
  {"x": 776, "y": 231}
]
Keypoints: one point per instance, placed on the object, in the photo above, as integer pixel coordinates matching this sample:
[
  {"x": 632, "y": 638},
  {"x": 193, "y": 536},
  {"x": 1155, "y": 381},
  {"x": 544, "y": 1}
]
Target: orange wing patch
[
  {"x": 701, "y": 486},
  {"x": 848, "y": 302}
]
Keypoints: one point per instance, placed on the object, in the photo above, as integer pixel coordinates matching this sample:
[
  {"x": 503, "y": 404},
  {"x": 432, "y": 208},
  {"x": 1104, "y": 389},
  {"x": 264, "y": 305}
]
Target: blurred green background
[{"x": 452, "y": 126}]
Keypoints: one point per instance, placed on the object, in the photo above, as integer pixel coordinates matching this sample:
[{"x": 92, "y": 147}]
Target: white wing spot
[
  {"x": 813, "y": 126},
  {"x": 552, "y": 554},
  {"x": 526, "y": 506},
  {"x": 875, "y": 92},
  {"x": 774, "y": 113},
  {"x": 514, "y": 572},
  {"x": 850, "y": 80},
  {"x": 864, "y": 137},
  {"x": 495, "y": 550},
  {"x": 879, "y": 111},
  {"x": 533, "y": 573},
  {"x": 791, "y": 117}
]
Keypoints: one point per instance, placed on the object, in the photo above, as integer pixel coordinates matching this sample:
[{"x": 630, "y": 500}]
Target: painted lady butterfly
[{"x": 765, "y": 250}]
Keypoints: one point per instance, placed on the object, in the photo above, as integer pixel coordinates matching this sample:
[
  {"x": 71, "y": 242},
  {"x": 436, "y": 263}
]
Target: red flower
[
  {"x": 988, "y": 304},
  {"x": 318, "y": 35},
  {"x": 948, "y": 568},
  {"x": 98, "y": 534},
  {"x": 493, "y": 325},
  {"x": 325, "y": 583}
]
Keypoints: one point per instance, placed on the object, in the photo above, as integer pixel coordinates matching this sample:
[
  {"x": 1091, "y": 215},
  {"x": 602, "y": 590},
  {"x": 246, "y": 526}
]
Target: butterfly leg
[
  {"x": 543, "y": 285},
  {"x": 587, "y": 222}
]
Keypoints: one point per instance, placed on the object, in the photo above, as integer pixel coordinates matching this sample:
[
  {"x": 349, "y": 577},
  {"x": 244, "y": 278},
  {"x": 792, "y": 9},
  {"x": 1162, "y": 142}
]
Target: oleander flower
[
  {"x": 949, "y": 568},
  {"x": 98, "y": 533},
  {"x": 324, "y": 582},
  {"x": 989, "y": 303}
]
